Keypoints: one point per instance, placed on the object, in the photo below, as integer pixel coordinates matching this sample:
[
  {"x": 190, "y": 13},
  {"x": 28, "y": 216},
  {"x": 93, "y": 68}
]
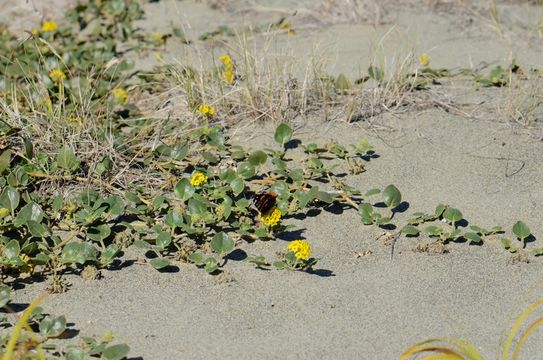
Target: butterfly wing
[{"x": 264, "y": 201}]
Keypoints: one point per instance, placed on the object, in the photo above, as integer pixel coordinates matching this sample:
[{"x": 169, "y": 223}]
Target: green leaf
[
  {"x": 366, "y": 211},
  {"x": 197, "y": 207},
  {"x": 116, "y": 352},
  {"x": 5, "y": 292},
  {"x": 433, "y": 230},
  {"x": 173, "y": 219},
  {"x": 392, "y": 196},
  {"x": 99, "y": 233},
  {"x": 453, "y": 215},
  {"x": 52, "y": 327},
  {"x": 257, "y": 158},
  {"x": 29, "y": 212},
  {"x": 12, "y": 250},
  {"x": 37, "y": 229},
  {"x": 324, "y": 197},
  {"x": 342, "y": 83},
  {"x": 210, "y": 158},
  {"x": 439, "y": 210},
  {"x": 4, "y": 160},
  {"x": 184, "y": 190},
  {"x": 222, "y": 243},
  {"x": 409, "y": 230},
  {"x": 141, "y": 244},
  {"x": 66, "y": 159},
  {"x": 74, "y": 353},
  {"x": 257, "y": 260},
  {"x": 237, "y": 186},
  {"x": 508, "y": 245},
  {"x": 537, "y": 252},
  {"x": 246, "y": 170},
  {"x": 280, "y": 265},
  {"x": 196, "y": 258},
  {"x": 159, "y": 263},
  {"x": 9, "y": 199},
  {"x": 163, "y": 240},
  {"x": 283, "y": 134},
  {"x": 228, "y": 175},
  {"x": 57, "y": 203},
  {"x": 376, "y": 73},
  {"x": 211, "y": 265},
  {"x": 521, "y": 230},
  {"x": 371, "y": 192},
  {"x": 179, "y": 152},
  {"x": 473, "y": 237},
  {"x": 109, "y": 254}
]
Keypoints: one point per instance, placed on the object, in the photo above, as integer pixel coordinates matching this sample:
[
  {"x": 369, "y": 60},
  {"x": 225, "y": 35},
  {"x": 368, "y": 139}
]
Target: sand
[{"x": 367, "y": 307}]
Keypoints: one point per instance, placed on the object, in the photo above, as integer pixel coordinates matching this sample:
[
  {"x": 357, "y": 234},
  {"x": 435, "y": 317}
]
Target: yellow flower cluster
[
  {"x": 206, "y": 110},
  {"x": 198, "y": 179},
  {"x": 120, "y": 95},
  {"x": 49, "y": 26},
  {"x": 424, "y": 59},
  {"x": 272, "y": 217},
  {"x": 300, "y": 248},
  {"x": 57, "y": 75},
  {"x": 228, "y": 73}
]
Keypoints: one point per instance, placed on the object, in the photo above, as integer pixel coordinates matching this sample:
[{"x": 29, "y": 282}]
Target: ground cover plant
[{"x": 85, "y": 173}]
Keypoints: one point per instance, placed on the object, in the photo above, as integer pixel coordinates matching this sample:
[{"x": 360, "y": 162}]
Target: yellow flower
[
  {"x": 27, "y": 268},
  {"x": 300, "y": 248},
  {"x": 49, "y": 26},
  {"x": 198, "y": 179},
  {"x": 228, "y": 73},
  {"x": 424, "y": 59},
  {"x": 157, "y": 38},
  {"x": 272, "y": 217},
  {"x": 226, "y": 60},
  {"x": 57, "y": 75},
  {"x": 120, "y": 95},
  {"x": 206, "y": 110}
]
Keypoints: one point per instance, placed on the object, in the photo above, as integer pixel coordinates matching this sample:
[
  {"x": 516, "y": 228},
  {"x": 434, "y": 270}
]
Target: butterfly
[{"x": 264, "y": 201}]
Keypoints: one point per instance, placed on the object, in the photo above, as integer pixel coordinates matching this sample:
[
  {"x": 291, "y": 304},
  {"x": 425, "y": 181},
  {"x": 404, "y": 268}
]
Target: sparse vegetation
[{"x": 88, "y": 168}]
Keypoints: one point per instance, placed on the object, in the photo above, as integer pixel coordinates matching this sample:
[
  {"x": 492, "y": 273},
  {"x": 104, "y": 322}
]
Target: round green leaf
[
  {"x": 237, "y": 185},
  {"x": 392, "y": 196},
  {"x": 283, "y": 134},
  {"x": 372, "y": 192},
  {"x": 163, "y": 240},
  {"x": 410, "y": 230},
  {"x": 99, "y": 233},
  {"x": 197, "y": 207},
  {"x": 521, "y": 230},
  {"x": 10, "y": 199},
  {"x": 453, "y": 215},
  {"x": 258, "y": 157},
  {"x": 246, "y": 170},
  {"x": 433, "y": 230},
  {"x": 473, "y": 237},
  {"x": 116, "y": 352},
  {"x": 4, "y": 295},
  {"x": 12, "y": 250},
  {"x": 183, "y": 189},
  {"x": 159, "y": 263},
  {"x": 222, "y": 243},
  {"x": 66, "y": 159}
]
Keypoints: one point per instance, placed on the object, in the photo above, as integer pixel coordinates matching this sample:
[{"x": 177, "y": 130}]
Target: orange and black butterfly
[{"x": 264, "y": 201}]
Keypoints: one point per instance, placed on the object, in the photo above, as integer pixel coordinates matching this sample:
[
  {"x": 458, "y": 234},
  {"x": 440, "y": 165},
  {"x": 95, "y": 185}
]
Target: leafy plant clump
[{"x": 31, "y": 337}]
